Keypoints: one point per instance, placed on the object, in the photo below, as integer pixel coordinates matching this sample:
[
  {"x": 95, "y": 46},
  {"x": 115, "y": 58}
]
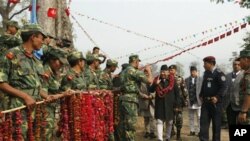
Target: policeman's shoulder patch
[{"x": 223, "y": 78}]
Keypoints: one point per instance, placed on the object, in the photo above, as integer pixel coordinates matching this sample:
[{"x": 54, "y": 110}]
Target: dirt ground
[{"x": 184, "y": 132}]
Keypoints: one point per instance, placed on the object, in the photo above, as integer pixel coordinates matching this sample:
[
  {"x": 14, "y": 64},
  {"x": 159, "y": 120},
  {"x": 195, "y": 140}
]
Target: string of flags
[
  {"x": 133, "y": 32},
  {"x": 207, "y": 42},
  {"x": 162, "y": 45}
]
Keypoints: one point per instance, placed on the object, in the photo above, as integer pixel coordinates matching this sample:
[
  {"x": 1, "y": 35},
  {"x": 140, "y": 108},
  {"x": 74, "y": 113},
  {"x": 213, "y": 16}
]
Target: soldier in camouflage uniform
[
  {"x": 96, "y": 51},
  {"x": 128, "y": 101},
  {"x": 75, "y": 78},
  {"x": 11, "y": 38},
  {"x": 244, "y": 94},
  {"x": 92, "y": 71},
  {"x": 178, "y": 119},
  {"x": 20, "y": 73},
  {"x": 53, "y": 62},
  {"x": 105, "y": 77}
]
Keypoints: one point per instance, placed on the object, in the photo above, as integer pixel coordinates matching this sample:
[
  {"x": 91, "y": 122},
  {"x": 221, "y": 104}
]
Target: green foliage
[{"x": 243, "y": 3}]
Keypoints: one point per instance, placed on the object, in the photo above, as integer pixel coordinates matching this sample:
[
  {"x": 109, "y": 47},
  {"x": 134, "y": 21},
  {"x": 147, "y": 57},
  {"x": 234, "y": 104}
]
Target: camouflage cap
[
  {"x": 58, "y": 53},
  {"x": 13, "y": 23},
  {"x": 92, "y": 57},
  {"x": 111, "y": 62},
  {"x": 133, "y": 57},
  {"x": 75, "y": 55},
  {"x": 244, "y": 53},
  {"x": 33, "y": 27}
]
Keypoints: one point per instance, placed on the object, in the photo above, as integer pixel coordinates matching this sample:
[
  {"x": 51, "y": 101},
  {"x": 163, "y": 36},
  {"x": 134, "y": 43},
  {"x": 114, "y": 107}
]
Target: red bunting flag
[
  {"x": 236, "y": 29},
  {"x": 52, "y": 12},
  {"x": 222, "y": 36},
  {"x": 229, "y": 33},
  {"x": 210, "y": 41},
  {"x": 243, "y": 25},
  {"x": 204, "y": 44},
  {"x": 14, "y": 1},
  {"x": 67, "y": 11},
  {"x": 216, "y": 39}
]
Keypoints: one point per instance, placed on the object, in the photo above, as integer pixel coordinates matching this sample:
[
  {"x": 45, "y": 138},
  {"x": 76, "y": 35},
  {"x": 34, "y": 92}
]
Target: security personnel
[
  {"x": 20, "y": 73},
  {"x": 244, "y": 94},
  {"x": 128, "y": 102},
  {"x": 92, "y": 71},
  {"x": 212, "y": 90},
  {"x": 75, "y": 79},
  {"x": 178, "y": 119},
  {"x": 11, "y": 37},
  {"x": 105, "y": 77}
]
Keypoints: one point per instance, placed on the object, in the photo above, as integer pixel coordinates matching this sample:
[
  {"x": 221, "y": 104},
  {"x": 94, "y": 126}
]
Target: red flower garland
[
  {"x": 1, "y": 126},
  {"x": 38, "y": 123},
  {"x": 44, "y": 115},
  {"x": 7, "y": 127},
  {"x": 30, "y": 126},
  {"x": 162, "y": 91},
  {"x": 64, "y": 120},
  {"x": 76, "y": 103},
  {"x": 17, "y": 125}
]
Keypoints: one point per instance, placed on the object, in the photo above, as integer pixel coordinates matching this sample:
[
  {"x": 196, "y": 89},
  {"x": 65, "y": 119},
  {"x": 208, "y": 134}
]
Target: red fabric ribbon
[{"x": 160, "y": 91}]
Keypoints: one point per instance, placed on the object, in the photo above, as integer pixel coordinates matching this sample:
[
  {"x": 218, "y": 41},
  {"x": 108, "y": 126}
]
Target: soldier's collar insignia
[
  {"x": 69, "y": 78},
  {"x": 10, "y": 55}
]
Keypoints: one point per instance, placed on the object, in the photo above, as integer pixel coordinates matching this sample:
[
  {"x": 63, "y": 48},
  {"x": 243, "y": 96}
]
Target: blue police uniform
[{"x": 213, "y": 85}]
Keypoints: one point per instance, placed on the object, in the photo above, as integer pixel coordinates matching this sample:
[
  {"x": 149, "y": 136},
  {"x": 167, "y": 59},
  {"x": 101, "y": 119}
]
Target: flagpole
[{"x": 33, "y": 12}]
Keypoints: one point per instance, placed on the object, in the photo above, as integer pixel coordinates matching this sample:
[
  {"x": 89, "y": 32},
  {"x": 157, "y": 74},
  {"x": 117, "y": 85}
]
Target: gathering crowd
[{"x": 32, "y": 69}]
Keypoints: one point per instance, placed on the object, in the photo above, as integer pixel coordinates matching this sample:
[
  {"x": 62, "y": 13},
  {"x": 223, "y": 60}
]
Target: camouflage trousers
[
  {"x": 178, "y": 120},
  {"x": 50, "y": 122},
  {"x": 128, "y": 118}
]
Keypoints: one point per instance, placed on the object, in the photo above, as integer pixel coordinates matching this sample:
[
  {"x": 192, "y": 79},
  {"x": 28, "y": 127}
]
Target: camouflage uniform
[
  {"x": 53, "y": 84},
  {"x": 245, "y": 87},
  {"x": 128, "y": 102},
  {"x": 8, "y": 41},
  {"x": 105, "y": 78},
  {"x": 22, "y": 71},
  {"x": 73, "y": 80},
  {"x": 92, "y": 75}
]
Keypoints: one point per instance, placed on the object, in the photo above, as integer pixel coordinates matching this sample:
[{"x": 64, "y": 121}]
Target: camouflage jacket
[
  {"x": 22, "y": 71},
  {"x": 92, "y": 79},
  {"x": 8, "y": 41},
  {"x": 105, "y": 80},
  {"x": 182, "y": 89},
  {"x": 74, "y": 81}
]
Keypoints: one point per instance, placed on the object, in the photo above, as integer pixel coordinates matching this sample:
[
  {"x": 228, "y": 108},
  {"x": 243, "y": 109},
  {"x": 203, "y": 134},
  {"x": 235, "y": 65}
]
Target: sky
[{"x": 165, "y": 20}]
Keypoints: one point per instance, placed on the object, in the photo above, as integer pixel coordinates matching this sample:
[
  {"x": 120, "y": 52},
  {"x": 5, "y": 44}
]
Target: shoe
[
  {"x": 146, "y": 135},
  {"x": 191, "y": 133},
  {"x": 152, "y": 135},
  {"x": 198, "y": 134}
]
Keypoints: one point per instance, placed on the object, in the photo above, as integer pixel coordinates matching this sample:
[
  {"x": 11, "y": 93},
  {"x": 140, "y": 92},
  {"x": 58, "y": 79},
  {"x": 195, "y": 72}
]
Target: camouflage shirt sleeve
[
  {"x": 4, "y": 69},
  {"x": 138, "y": 75},
  {"x": 66, "y": 83}
]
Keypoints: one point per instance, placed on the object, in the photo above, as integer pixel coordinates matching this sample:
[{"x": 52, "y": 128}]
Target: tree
[{"x": 243, "y": 3}]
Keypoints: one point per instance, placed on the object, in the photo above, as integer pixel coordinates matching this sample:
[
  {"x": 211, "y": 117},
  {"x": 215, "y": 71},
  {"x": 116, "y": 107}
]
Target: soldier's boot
[{"x": 178, "y": 136}]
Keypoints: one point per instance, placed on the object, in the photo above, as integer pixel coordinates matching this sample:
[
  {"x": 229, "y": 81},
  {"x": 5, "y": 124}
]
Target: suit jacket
[
  {"x": 232, "y": 96},
  {"x": 198, "y": 89}
]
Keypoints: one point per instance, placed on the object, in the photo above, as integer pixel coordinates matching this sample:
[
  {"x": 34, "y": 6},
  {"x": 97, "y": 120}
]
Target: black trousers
[
  {"x": 210, "y": 112},
  {"x": 231, "y": 115}
]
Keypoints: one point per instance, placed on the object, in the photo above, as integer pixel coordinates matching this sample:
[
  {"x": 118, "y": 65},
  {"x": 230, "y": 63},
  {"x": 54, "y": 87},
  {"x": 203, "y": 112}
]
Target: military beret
[
  {"x": 133, "y": 57},
  {"x": 92, "y": 57},
  {"x": 164, "y": 68},
  {"x": 124, "y": 66},
  {"x": 58, "y": 53},
  {"x": 13, "y": 23},
  {"x": 244, "y": 53},
  {"x": 173, "y": 67},
  {"x": 209, "y": 59},
  {"x": 33, "y": 27},
  {"x": 192, "y": 68},
  {"x": 112, "y": 62},
  {"x": 75, "y": 55}
]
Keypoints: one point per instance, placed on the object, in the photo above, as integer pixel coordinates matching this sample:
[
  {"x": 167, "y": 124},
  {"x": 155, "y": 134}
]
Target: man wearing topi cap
[
  {"x": 128, "y": 102},
  {"x": 212, "y": 91}
]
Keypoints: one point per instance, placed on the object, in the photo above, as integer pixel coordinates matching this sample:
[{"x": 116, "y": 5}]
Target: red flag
[
  {"x": 243, "y": 25},
  {"x": 14, "y": 1},
  {"x": 216, "y": 39},
  {"x": 67, "y": 11},
  {"x": 222, "y": 36},
  {"x": 236, "y": 29},
  {"x": 229, "y": 33},
  {"x": 204, "y": 44},
  {"x": 210, "y": 41},
  {"x": 52, "y": 12}
]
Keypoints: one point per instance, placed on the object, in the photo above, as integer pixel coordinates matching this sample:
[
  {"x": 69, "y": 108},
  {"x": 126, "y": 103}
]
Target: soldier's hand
[
  {"x": 242, "y": 117},
  {"x": 214, "y": 100},
  {"x": 68, "y": 93},
  {"x": 29, "y": 102},
  {"x": 50, "y": 98}
]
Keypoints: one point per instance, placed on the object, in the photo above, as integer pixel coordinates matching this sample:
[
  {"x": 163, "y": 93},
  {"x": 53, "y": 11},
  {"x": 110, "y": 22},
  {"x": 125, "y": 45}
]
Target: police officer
[
  {"x": 178, "y": 119},
  {"x": 75, "y": 79},
  {"x": 212, "y": 90},
  {"x": 20, "y": 73},
  {"x": 105, "y": 77},
  {"x": 92, "y": 71},
  {"x": 244, "y": 94},
  {"x": 128, "y": 108}
]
